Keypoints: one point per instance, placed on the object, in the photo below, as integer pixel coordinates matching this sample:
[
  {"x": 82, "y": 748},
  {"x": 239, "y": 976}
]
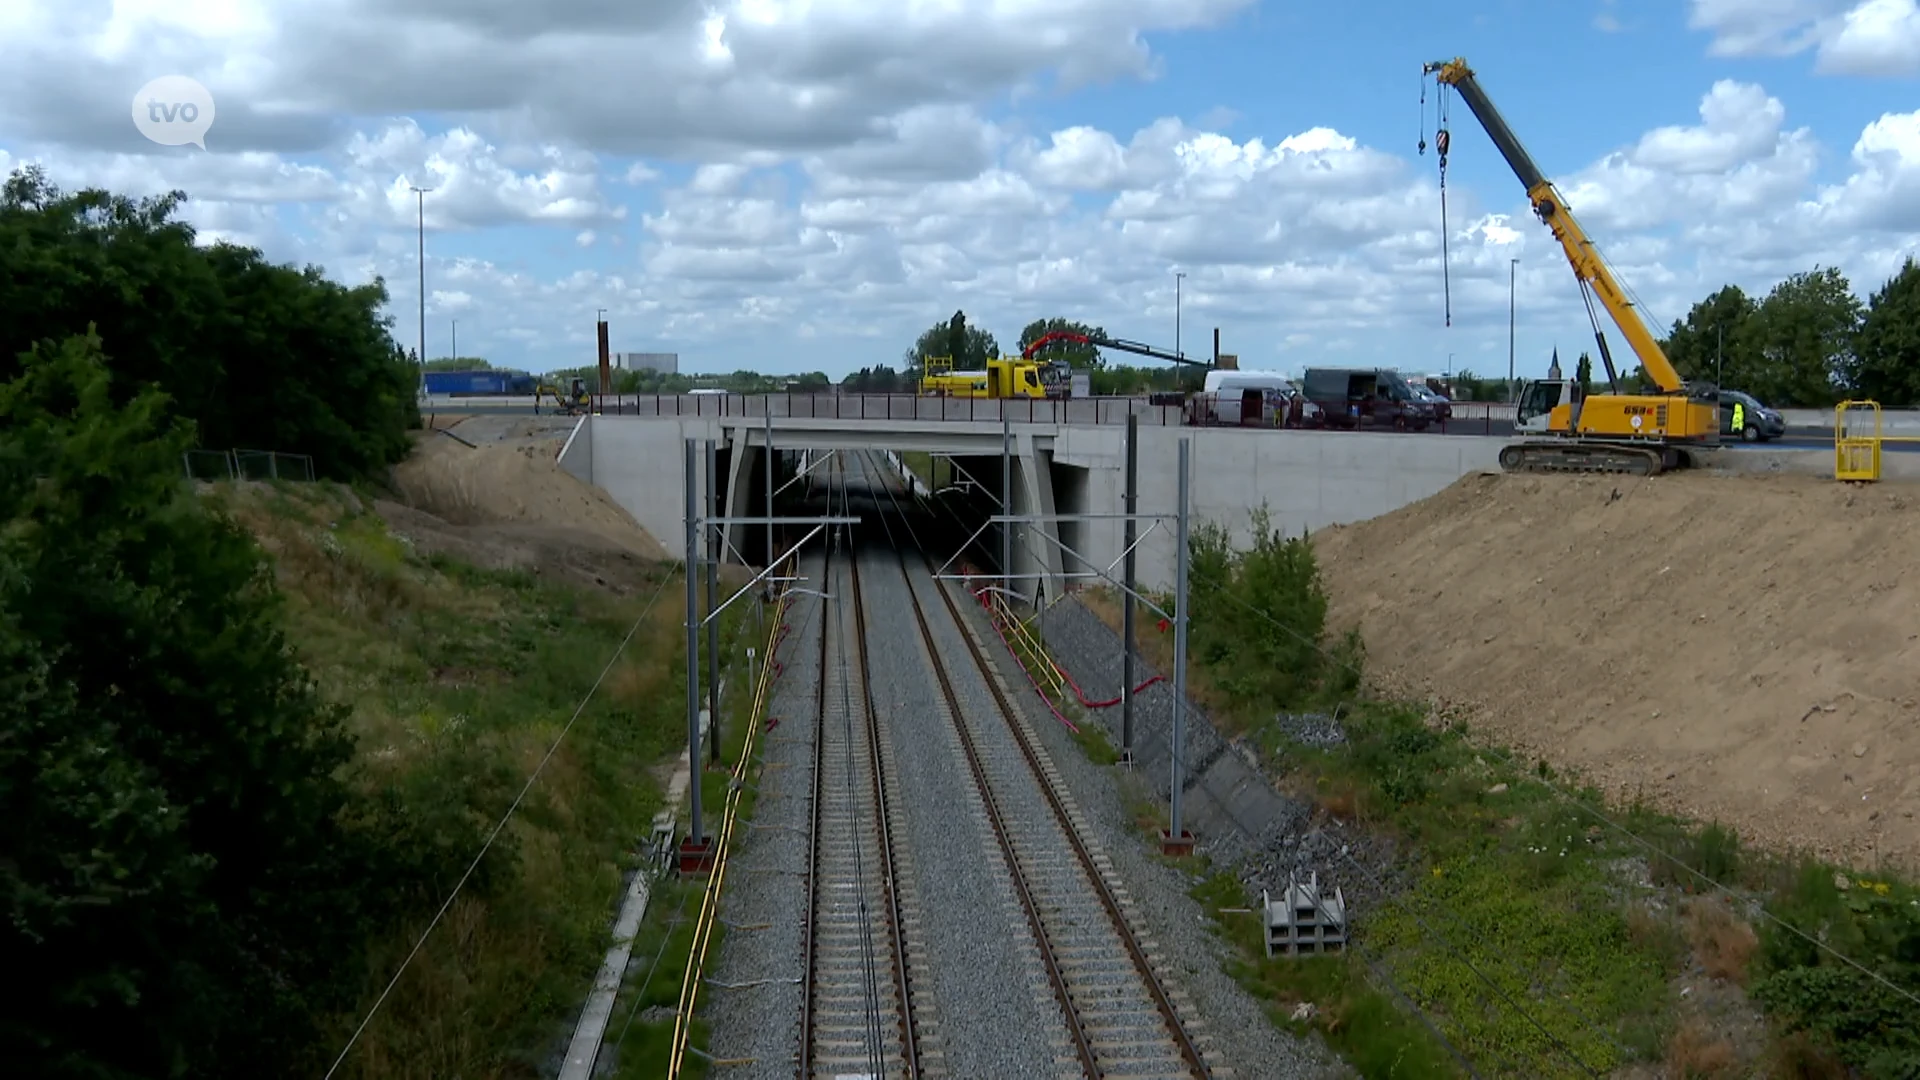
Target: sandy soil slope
[
  {"x": 1744, "y": 649},
  {"x": 510, "y": 478}
]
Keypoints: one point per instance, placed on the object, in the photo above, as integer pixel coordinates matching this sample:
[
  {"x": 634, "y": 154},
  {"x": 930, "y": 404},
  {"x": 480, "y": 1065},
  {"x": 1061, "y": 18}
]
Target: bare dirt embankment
[
  {"x": 505, "y": 503},
  {"x": 1744, "y": 649}
]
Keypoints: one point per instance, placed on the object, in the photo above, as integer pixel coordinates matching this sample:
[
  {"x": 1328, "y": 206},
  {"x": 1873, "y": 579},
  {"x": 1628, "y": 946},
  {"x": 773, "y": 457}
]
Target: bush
[
  {"x": 180, "y": 889},
  {"x": 256, "y": 355},
  {"x": 1259, "y": 620}
]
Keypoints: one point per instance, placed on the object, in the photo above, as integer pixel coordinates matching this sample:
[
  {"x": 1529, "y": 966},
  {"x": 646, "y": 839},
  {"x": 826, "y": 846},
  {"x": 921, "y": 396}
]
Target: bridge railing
[{"x": 1091, "y": 410}]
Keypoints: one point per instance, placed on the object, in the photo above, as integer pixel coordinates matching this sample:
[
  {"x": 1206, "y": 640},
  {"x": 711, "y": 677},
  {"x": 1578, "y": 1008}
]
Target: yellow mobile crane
[{"x": 1643, "y": 434}]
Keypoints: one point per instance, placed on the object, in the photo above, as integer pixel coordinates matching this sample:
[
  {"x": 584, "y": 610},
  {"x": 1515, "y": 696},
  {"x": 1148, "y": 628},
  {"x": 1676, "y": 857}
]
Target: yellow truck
[{"x": 1004, "y": 378}]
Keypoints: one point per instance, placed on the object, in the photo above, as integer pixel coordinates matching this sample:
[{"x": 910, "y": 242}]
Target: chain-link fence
[{"x": 246, "y": 465}]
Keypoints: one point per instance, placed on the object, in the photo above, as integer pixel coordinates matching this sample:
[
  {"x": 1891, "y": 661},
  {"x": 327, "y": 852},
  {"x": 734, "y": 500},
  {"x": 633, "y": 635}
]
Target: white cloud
[
  {"x": 1850, "y": 37},
  {"x": 813, "y": 200}
]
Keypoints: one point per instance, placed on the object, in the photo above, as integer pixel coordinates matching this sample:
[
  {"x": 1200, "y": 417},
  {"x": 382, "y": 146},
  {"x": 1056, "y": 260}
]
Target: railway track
[
  {"x": 860, "y": 1015},
  {"x": 1121, "y": 1019}
]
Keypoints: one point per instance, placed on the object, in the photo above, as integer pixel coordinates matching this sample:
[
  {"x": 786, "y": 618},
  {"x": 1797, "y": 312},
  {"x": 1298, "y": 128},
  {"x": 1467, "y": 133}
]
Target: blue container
[{"x": 469, "y": 383}]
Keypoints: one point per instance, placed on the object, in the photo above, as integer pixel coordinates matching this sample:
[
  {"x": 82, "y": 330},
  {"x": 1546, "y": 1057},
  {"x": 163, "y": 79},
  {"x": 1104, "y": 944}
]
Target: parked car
[
  {"x": 1758, "y": 423},
  {"x": 1367, "y": 397},
  {"x": 1442, "y": 406}
]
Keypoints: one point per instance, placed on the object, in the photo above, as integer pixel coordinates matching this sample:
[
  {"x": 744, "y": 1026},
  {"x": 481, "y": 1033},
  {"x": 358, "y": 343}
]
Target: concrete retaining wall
[
  {"x": 1892, "y": 421},
  {"x": 1306, "y": 479}
]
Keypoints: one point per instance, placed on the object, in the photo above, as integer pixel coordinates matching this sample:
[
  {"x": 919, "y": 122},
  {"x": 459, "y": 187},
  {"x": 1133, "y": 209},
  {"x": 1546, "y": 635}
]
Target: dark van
[{"x": 1366, "y": 398}]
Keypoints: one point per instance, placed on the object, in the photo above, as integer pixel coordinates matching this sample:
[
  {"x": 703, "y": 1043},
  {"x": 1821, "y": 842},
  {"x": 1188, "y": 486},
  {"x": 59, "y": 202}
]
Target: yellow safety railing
[
  {"x": 710, "y": 902},
  {"x": 1018, "y": 631},
  {"x": 1856, "y": 454}
]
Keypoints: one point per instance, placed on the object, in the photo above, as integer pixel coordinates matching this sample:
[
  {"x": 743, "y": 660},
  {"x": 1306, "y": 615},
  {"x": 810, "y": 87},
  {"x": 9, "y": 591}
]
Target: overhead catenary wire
[{"x": 554, "y": 747}]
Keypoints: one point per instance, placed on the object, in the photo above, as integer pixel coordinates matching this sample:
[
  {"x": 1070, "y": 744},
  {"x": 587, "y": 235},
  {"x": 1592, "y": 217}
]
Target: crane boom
[
  {"x": 1101, "y": 342},
  {"x": 1551, "y": 209}
]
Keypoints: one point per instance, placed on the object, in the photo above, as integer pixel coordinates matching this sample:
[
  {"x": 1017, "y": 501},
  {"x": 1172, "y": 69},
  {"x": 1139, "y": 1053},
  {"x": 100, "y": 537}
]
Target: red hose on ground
[{"x": 1062, "y": 672}]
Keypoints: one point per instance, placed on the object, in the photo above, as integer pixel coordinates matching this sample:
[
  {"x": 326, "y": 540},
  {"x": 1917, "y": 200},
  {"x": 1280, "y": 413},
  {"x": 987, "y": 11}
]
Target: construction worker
[{"x": 1739, "y": 418}]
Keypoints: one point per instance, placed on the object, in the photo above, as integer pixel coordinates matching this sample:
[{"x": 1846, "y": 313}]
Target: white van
[{"x": 1232, "y": 394}]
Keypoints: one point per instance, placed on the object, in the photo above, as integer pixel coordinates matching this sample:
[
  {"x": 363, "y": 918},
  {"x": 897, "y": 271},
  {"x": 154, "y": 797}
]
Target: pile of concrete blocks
[{"x": 1304, "y": 922}]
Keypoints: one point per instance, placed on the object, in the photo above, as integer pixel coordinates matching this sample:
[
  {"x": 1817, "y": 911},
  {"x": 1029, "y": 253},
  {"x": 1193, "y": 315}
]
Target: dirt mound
[
  {"x": 514, "y": 480},
  {"x": 1739, "y": 648}
]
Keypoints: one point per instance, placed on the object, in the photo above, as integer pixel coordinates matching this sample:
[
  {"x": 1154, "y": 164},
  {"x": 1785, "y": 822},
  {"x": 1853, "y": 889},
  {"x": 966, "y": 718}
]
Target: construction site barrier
[
  {"x": 1856, "y": 446},
  {"x": 246, "y": 465}
]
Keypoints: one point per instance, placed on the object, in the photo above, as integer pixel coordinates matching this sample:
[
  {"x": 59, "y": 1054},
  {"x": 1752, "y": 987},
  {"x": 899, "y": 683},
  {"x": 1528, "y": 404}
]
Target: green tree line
[
  {"x": 254, "y": 354},
  {"x": 1809, "y": 342}
]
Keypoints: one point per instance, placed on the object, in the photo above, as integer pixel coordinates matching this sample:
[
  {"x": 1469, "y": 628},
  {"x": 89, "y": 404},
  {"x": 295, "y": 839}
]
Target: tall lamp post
[
  {"x": 1177, "y": 275},
  {"x": 455, "y": 347},
  {"x": 1512, "y": 266},
  {"x": 420, "y": 199}
]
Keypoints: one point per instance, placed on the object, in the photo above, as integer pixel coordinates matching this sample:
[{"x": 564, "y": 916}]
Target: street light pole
[
  {"x": 420, "y": 200},
  {"x": 456, "y": 339},
  {"x": 1512, "y": 266},
  {"x": 1177, "y": 350}
]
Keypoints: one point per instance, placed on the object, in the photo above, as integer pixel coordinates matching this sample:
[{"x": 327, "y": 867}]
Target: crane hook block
[{"x": 1441, "y": 142}]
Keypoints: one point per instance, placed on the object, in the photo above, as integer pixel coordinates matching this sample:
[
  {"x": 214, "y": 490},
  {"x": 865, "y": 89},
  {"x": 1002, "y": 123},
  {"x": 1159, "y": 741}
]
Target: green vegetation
[
  {"x": 1537, "y": 938},
  {"x": 1259, "y": 623},
  {"x": 257, "y": 356},
  {"x": 251, "y": 737}
]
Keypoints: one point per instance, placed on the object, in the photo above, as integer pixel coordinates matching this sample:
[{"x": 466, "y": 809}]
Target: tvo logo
[{"x": 174, "y": 110}]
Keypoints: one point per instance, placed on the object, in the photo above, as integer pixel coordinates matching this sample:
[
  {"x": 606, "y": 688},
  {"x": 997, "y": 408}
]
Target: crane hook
[{"x": 1441, "y": 142}]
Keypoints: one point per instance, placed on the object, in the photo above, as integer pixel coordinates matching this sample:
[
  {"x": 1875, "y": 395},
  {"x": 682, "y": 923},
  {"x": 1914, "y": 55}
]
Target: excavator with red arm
[{"x": 1560, "y": 428}]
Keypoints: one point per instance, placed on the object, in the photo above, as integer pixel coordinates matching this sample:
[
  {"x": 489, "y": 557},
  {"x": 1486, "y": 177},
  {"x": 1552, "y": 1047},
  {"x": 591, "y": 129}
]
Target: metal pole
[
  {"x": 767, "y": 462},
  {"x": 1006, "y": 493},
  {"x": 1512, "y": 266},
  {"x": 713, "y": 625},
  {"x": 420, "y": 200},
  {"x": 694, "y": 833},
  {"x": 456, "y": 339},
  {"x": 1177, "y": 350},
  {"x": 1126, "y": 596},
  {"x": 1174, "y": 832}
]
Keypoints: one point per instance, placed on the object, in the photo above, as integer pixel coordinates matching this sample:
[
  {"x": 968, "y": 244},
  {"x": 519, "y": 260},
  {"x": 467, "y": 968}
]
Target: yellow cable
[{"x": 709, "y": 903}]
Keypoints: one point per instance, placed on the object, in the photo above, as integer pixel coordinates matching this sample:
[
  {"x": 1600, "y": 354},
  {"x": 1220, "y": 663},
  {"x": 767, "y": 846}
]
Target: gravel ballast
[
  {"x": 755, "y": 998},
  {"x": 998, "y": 1015}
]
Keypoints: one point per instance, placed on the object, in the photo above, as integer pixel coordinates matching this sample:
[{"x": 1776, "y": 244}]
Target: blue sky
[{"x": 818, "y": 182}]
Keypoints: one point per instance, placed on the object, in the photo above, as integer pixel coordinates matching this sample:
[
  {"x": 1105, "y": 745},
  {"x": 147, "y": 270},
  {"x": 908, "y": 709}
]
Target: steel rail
[
  {"x": 1109, "y": 902},
  {"x": 895, "y": 916}
]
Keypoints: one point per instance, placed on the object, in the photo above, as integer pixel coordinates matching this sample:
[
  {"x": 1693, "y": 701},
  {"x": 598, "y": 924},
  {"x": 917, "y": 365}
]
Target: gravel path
[{"x": 764, "y": 901}]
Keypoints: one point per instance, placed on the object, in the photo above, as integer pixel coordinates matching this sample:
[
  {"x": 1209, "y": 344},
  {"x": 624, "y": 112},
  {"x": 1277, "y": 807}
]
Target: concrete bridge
[{"x": 1068, "y": 458}]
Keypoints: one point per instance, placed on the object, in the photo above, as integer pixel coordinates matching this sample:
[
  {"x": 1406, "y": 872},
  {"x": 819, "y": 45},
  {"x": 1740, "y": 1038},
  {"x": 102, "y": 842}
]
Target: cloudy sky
[{"x": 806, "y": 184}]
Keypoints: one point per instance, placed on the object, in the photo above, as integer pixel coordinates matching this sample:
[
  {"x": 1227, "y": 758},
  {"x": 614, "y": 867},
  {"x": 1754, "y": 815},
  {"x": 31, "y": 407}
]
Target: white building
[{"x": 665, "y": 363}]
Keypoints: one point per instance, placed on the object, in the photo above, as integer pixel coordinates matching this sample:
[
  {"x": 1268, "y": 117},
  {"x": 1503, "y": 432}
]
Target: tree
[
  {"x": 176, "y": 869},
  {"x": 256, "y": 354},
  {"x": 969, "y": 346},
  {"x": 1714, "y": 342},
  {"x": 1077, "y": 354},
  {"x": 1583, "y": 374},
  {"x": 1886, "y": 361},
  {"x": 458, "y": 363},
  {"x": 1800, "y": 340}
]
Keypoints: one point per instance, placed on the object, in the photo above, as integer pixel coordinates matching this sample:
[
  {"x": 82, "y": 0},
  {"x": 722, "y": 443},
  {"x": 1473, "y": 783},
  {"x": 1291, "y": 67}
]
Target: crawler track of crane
[
  {"x": 1121, "y": 1019},
  {"x": 860, "y": 1013}
]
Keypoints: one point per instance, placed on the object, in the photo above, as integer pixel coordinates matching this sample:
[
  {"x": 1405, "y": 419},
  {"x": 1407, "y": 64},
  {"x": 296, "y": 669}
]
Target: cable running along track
[
  {"x": 1120, "y": 1017},
  {"x": 858, "y": 1012}
]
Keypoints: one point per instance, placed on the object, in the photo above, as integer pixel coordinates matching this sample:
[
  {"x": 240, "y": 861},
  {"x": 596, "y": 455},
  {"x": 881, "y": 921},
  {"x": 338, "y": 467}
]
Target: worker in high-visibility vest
[{"x": 1739, "y": 418}]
